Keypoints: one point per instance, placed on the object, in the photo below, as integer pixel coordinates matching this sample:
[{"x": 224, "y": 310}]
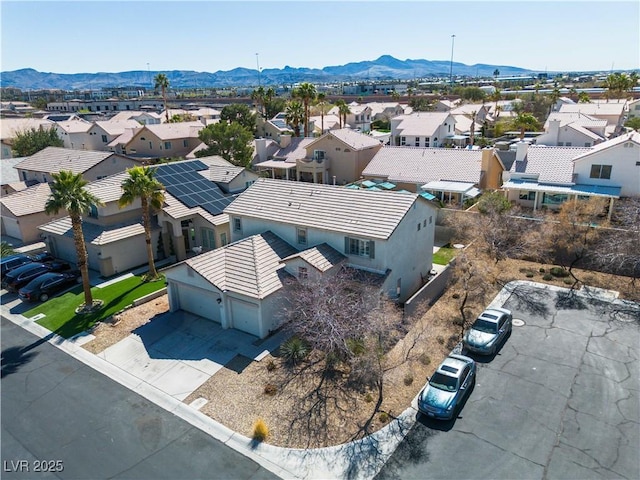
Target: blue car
[{"x": 443, "y": 394}]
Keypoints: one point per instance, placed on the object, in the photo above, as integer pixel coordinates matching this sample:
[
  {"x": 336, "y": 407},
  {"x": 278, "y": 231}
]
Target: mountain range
[{"x": 384, "y": 68}]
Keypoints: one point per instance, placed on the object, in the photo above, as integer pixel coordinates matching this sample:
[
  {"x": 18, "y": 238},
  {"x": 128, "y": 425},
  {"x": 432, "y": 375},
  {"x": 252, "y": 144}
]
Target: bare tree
[{"x": 572, "y": 232}]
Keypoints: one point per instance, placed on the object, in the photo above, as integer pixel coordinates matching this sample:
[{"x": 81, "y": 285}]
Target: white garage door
[
  {"x": 198, "y": 301},
  {"x": 244, "y": 316},
  {"x": 11, "y": 228}
]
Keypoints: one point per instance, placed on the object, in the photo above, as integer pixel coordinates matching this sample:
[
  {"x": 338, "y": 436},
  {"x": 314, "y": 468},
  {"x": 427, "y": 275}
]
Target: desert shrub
[
  {"x": 541, "y": 269},
  {"x": 408, "y": 379},
  {"x": 458, "y": 322},
  {"x": 440, "y": 339},
  {"x": 383, "y": 417},
  {"x": 368, "y": 398},
  {"x": 558, "y": 272},
  {"x": 260, "y": 430},
  {"x": 424, "y": 359},
  {"x": 568, "y": 281},
  {"x": 270, "y": 389},
  {"x": 356, "y": 346},
  {"x": 455, "y": 296},
  {"x": 529, "y": 275},
  {"x": 271, "y": 366},
  {"x": 547, "y": 277},
  {"x": 294, "y": 350}
]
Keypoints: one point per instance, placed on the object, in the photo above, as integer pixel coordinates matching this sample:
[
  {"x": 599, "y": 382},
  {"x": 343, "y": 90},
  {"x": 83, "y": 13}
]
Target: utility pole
[{"x": 451, "y": 64}]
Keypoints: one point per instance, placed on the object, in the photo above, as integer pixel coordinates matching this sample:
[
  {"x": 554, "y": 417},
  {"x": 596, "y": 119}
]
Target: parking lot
[{"x": 559, "y": 400}]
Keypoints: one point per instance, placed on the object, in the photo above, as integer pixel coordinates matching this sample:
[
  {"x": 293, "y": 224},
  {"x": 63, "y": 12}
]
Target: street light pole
[{"x": 451, "y": 64}]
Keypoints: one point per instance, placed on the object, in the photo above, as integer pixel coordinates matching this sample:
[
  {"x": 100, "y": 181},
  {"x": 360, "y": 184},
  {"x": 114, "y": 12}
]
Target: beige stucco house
[
  {"x": 9, "y": 127},
  {"x": 170, "y": 140},
  {"x": 93, "y": 165},
  {"x": 422, "y": 129}
]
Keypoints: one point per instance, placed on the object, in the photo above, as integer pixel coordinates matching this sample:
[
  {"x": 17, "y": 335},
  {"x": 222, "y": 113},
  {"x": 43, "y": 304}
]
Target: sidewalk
[{"x": 356, "y": 460}]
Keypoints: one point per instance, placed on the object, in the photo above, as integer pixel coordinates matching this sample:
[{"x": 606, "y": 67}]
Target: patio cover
[{"x": 591, "y": 190}]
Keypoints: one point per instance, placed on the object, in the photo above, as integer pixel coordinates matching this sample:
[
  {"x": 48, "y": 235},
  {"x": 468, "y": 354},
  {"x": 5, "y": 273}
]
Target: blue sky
[{"x": 95, "y": 36}]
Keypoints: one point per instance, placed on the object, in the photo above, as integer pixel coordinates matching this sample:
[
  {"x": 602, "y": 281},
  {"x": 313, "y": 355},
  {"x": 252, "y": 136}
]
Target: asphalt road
[
  {"x": 62, "y": 419},
  {"x": 560, "y": 400}
]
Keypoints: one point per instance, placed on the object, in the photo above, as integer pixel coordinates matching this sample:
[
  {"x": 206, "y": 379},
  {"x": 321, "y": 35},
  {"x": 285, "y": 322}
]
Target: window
[
  {"x": 527, "y": 195},
  {"x": 568, "y": 144},
  {"x": 403, "y": 141},
  {"x": 150, "y": 146},
  {"x": 361, "y": 248},
  {"x": 600, "y": 171},
  {"x": 587, "y": 144},
  {"x": 208, "y": 238},
  {"x": 427, "y": 142},
  {"x": 237, "y": 225},
  {"x": 93, "y": 211},
  {"x": 223, "y": 238},
  {"x": 318, "y": 154},
  {"x": 185, "y": 143},
  {"x": 167, "y": 145},
  {"x": 303, "y": 273},
  {"x": 417, "y": 142},
  {"x": 424, "y": 223},
  {"x": 554, "y": 198},
  {"x": 302, "y": 236},
  {"x": 104, "y": 139}
]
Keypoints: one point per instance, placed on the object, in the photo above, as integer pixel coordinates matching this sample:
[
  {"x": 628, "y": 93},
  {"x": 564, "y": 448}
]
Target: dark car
[
  {"x": 443, "y": 394},
  {"x": 488, "y": 332},
  {"x": 20, "y": 276},
  {"x": 48, "y": 284},
  {"x": 10, "y": 262}
]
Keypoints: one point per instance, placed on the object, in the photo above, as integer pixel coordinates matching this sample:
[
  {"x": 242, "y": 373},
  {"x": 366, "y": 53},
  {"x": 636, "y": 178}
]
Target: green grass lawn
[
  {"x": 444, "y": 255},
  {"x": 60, "y": 311}
]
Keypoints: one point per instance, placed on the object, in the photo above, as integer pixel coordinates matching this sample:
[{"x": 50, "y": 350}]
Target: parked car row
[
  {"x": 453, "y": 380},
  {"x": 36, "y": 277}
]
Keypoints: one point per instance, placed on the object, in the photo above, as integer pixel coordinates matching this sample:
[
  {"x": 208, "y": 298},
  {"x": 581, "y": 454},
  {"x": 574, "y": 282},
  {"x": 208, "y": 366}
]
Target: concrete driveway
[
  {"x": 560, "y": 400},
  {"x": 177, "y": 352}
]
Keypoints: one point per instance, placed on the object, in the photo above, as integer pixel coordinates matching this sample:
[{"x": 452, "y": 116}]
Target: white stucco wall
[{"x": 625, "y": 172}]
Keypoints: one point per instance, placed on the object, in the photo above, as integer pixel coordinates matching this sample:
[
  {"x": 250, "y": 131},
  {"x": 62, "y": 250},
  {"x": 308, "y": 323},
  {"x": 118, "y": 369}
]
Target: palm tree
[
  {"x": 343, "y": 111},
  {"x": 294, "y": 115},
  {"x": 583, "y": 97},
  {"x": 525, "y": 121},
  {"x": 68, "y": 193},
  {"x": 142, "y": 184},
  {"x": 321, "y": 99},
  {"x": 395, "y": 96},
  {"x": 496, "y": 96},
  {"x": 162, "y": 81},
  {"x": 306, "y": 92},
  {"x": 258, "y": 96}
]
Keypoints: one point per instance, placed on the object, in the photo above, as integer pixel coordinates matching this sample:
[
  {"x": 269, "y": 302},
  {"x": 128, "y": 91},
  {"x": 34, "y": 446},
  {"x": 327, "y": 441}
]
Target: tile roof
[
  {"x": 173, "y": 131},
  {"x": 359, "y": 212},
  {"x": 322, "y": 257},
  {"x": 355, "y": 140},
  {"x": 117, "y": 127},
  {"x": 251, "y": 266},
  {"x": 93, "y": 233},
  {"x": 221, "y": 174},
  {"x": 8, "y": 172},
  {"x": 632, "y": 136},
  {"x": 108, "y": 189},
  {"x": 10, "y": 126},
  {"x": 56, "y": 159},
  {"x": 76, "y": 125},
  {"x": 551, "y": 164},
  {"x": 594, "y": 109},
  {"x": 28, "y": 201},
  {"x": 423, "y": 165},
  {"x": 295, "y": 150},
  {"x": 421, "y": 124}
]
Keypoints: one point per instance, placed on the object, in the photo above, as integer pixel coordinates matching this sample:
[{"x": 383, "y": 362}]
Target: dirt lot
[{"x": 303, "y": 408}]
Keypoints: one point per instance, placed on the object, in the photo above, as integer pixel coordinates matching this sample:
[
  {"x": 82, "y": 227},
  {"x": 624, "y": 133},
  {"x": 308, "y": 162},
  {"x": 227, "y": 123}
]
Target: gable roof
[
  {"x": 173, "y": 131},
  {"x": 93, "y": 233},
  {"x": 322, "y": 257},
  {"x": 8, "y": 172},
  {"x": 9, "y": 127},
  {"x": 251, "y": 266},
  {"x": 108, "y": 189},
  {"x": 594, "y": 109},
  {"x": 632, "y": 136},
  {"x": 117, "y": 127},
  {"x": 421, "y": 124},
  {"x": 361, "y": 213},
  {"x": 423, "y": 165},
  {"x": 551, "y": 164},
  {"x": 28, "y": 201},
  {"x": 75, "y": 125},
  {"x": 351, "y": 138},
  {"x": 56, "y": 159}
]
